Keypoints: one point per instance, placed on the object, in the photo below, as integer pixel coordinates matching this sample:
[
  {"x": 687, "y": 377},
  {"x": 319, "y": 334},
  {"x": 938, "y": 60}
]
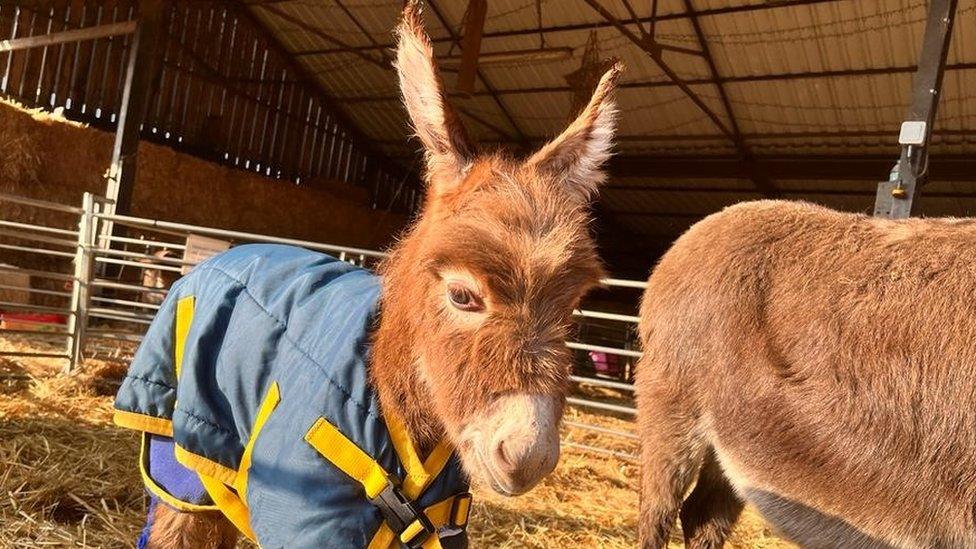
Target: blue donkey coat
[{"x": 255, "y": 365}]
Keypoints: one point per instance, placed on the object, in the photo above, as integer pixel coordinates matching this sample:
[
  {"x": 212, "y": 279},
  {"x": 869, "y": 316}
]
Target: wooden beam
[
  {"x": 888, "y": 137},
  {"x": 76, "y": 35},
  {"x": 741, "y": 79},
  {"x": 474, "y": 26},
  {"x": 511, "y": 56},
  {"x": 136, "y": 93},
  {"x": 388, "y": 65},
  {"x": 817, "y": 137},
  {"x": 388, "y": 55},
  {"x": 484, "y": 81},
  {"x": 594, "y": 25},
  {"x": 787, "y": 167}
]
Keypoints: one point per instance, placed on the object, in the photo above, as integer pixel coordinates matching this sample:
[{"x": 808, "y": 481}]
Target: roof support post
[
  {"x": 136, "y": 93},
  {"x": 140, "y": 74},
  {"x": 471, "y": 45},
  {"x": 896, "y": 197}
]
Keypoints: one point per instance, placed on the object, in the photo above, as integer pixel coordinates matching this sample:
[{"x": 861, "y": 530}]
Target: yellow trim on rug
[
  {"x": 141, "y": 422},
  {"x": 184, "y": 318},
  {"x": 268, "y": 405},
  {"x": 205, "y": 466},
  {"x": 230, "y": 504}
]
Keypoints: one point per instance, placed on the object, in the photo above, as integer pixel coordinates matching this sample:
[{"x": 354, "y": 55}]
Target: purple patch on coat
[{"x": 178, "y": 481}]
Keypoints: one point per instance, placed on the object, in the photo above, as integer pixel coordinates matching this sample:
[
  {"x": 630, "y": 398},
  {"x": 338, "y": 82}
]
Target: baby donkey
[{"x": 305, "y": 402}]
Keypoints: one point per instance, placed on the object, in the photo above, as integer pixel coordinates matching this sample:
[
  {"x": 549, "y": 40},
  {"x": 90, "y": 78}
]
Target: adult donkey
[
  {"x": 818, "y": 365},
  {"x": 262, "y": 374}
]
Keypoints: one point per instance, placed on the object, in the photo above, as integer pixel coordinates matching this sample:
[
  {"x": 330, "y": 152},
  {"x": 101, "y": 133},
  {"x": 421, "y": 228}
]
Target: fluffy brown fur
[
  {"x": 521, "y": 230},
  {"x": 206, "y": 530},
  {"x": 530, "y": 249},
  {"x": 828, "y": 363}
]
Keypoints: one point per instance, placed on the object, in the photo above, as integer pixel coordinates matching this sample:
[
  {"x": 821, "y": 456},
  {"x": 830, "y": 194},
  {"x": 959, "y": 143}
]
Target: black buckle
[{"x": 399, "y": 513}]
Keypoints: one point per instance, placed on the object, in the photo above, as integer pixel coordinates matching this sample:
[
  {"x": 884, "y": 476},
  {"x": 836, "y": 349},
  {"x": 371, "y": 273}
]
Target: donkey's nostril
[{"x": 504, "y": 457}]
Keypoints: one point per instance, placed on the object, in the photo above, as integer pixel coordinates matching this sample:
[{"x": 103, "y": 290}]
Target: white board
[{"x": 199, "y": 248}]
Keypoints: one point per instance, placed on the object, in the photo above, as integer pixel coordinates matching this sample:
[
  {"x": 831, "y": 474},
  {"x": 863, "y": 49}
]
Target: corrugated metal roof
[
  {"x": 771, "y": 60},
  {"x": 830, "y": 36}
]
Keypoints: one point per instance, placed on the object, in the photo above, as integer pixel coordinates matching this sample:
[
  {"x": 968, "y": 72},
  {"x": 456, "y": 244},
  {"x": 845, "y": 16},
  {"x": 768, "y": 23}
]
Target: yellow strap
[
  {"x": 184, "y": 317},
  {"x": 270, "y": 402},
  {"x": 348, "y": 457},
  {"x": 435, "y": 463},
  {"x": 419, "y": 474},
  {"x": 356, "y": 463},
  {"x": 416, "y": 474},
  {"x": 383, "y": 538},
  {"x": 217, "y": 479},
  {"x": 411, "y": 530},
  {"x": 229, "y": 503}
]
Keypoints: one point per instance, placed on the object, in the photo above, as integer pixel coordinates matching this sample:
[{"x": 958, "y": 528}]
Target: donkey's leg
[
  {"x": 710, "y": 512},
  {"x": 172, "y": 529},
  {"x": 672, "y": 449}
]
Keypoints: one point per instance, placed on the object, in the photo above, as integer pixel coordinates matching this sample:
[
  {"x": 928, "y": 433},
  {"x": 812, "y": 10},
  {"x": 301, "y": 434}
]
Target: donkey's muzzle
[{"x": 517, "y": 444}]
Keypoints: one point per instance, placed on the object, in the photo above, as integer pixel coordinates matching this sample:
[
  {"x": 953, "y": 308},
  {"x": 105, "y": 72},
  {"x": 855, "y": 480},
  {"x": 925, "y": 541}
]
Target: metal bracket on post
[
  {"x": 81, "y": 286},
  {"x": 896, "y": 197}
]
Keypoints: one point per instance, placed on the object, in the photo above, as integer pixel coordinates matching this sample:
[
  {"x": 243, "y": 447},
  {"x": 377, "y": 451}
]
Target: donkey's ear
[
  {"x": 576, "y": 157},
  {"x": 446, "y": 145}
]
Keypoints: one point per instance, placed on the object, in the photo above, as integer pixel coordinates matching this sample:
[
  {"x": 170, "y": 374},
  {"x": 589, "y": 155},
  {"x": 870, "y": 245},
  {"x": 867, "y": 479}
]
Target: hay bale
[
  {"x": 16, "y": 280},
  {"x": 179, "y": 187},
  {"x": 21, "y": 161}
]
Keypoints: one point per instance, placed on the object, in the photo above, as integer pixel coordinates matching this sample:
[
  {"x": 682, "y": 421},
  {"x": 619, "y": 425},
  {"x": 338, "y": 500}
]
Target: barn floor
[{"x": 68, "y": 479}]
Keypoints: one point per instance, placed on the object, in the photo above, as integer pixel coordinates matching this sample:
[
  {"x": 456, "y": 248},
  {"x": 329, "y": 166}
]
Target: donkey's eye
[{"x": 464, "y": 298}]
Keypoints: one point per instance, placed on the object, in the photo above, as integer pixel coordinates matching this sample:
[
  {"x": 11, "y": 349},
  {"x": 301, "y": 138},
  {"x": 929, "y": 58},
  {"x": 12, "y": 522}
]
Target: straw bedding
[{"x": 67, "y": 476}]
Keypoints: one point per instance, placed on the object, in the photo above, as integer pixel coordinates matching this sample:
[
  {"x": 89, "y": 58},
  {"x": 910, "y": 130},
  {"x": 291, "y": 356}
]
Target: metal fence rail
[
  {"x": 42, "y": 242},
  {"x": 108, "y": 304}
]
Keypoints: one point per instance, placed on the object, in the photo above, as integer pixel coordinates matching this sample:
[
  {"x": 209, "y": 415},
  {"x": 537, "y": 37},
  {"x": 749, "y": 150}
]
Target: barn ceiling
[{"x": 800, "y": 99}]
